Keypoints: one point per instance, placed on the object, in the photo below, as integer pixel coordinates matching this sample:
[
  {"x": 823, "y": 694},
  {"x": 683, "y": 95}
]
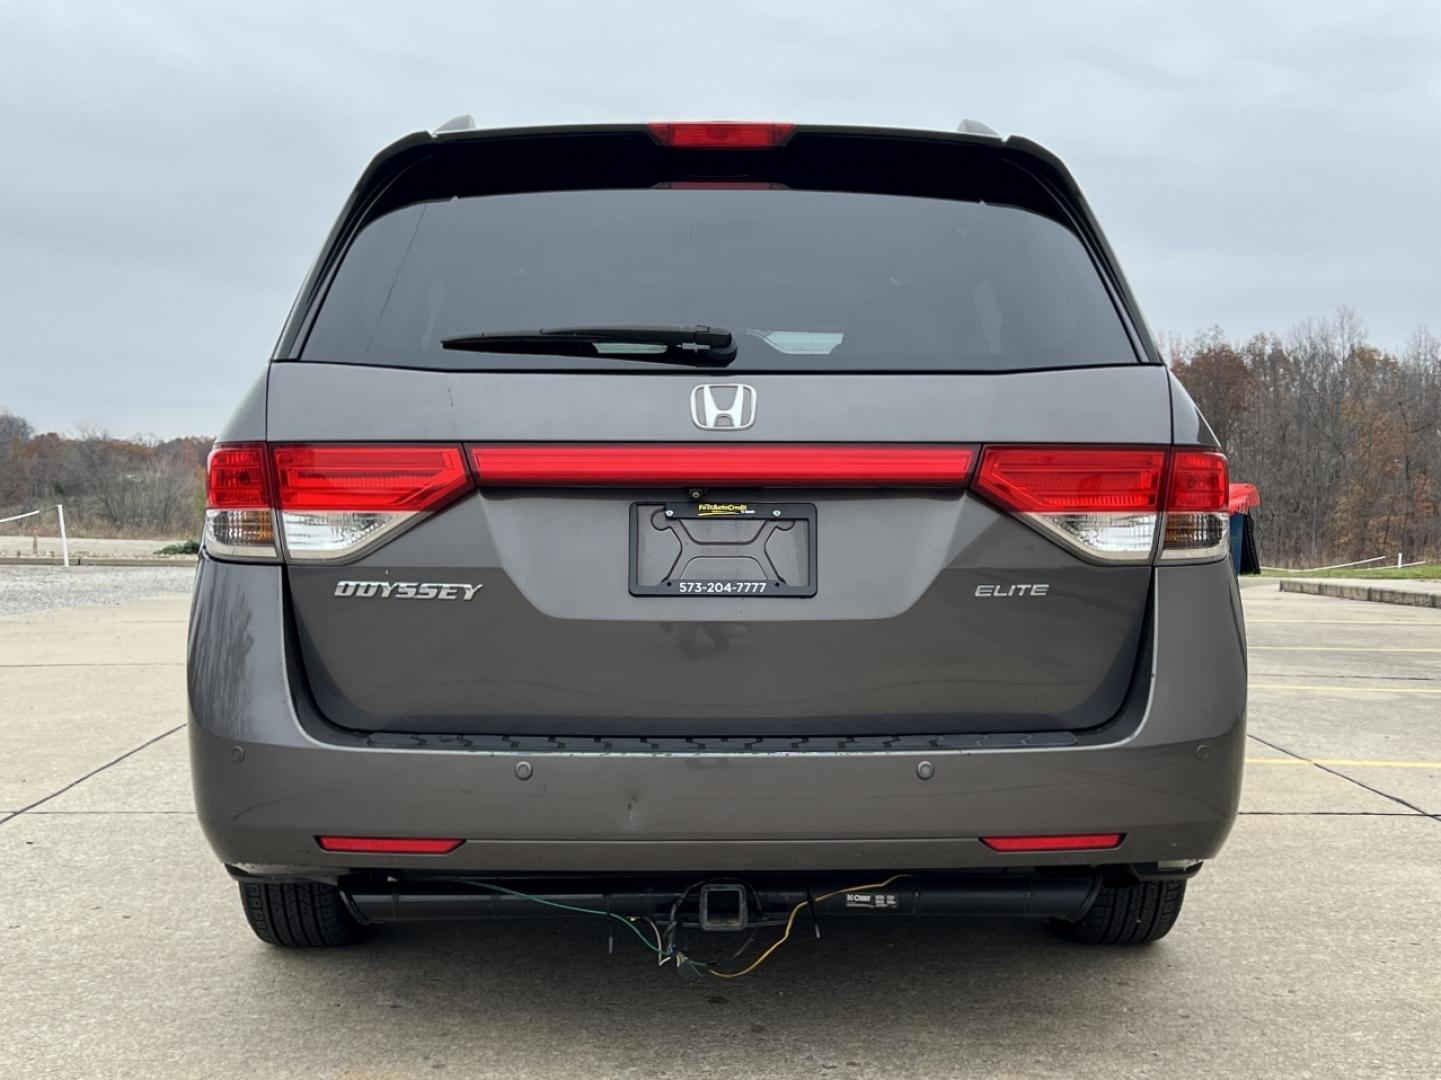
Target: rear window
[{"x": 805, "y": 280}]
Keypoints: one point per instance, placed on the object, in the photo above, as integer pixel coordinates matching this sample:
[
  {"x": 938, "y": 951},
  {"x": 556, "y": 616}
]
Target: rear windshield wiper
[{"x": 702, "y": 346}]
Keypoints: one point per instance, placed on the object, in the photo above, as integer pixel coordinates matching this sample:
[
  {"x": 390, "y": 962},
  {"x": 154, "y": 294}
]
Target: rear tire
[
  {"x": 303, "y": 915},
  {"x": 1128, "y": 914}
]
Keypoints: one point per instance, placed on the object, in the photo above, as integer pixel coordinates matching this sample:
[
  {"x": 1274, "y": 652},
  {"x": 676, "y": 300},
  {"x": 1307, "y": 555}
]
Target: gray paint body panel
[
  {"x": 247, "y": 422},
  {"x": 335, "y": 403},
  {"x": 1190, "y": 426},
  {"x": 1167, "y": 773},
  {"x": 895, "y": 638}
]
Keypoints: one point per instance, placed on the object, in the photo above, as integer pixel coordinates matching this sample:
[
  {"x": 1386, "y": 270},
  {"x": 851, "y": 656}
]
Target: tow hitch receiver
[{"x": 724, "y": 907}]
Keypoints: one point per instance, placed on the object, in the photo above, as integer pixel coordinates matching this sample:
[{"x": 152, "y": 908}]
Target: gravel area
[{"x": 26, "y": 589}]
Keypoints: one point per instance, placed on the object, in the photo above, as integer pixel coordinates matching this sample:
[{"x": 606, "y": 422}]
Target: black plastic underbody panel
[{"x": 719, "y": 745}]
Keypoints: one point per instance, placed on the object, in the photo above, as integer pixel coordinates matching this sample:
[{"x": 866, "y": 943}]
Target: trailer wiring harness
[{"x": 665, "y": 946}]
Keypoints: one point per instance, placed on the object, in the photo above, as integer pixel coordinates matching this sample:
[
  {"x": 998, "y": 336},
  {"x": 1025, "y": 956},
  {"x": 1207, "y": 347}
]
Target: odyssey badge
[{"x": 407, "y": 590}]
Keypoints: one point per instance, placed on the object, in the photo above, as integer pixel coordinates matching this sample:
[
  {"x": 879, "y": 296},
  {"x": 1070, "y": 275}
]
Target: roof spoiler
[{"x": 463, "y": 128}]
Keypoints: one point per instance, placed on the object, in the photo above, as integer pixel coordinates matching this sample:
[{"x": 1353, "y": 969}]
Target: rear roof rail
[
  {"x": 456, "y": 124},
  {"x": 968, "y": 126}
]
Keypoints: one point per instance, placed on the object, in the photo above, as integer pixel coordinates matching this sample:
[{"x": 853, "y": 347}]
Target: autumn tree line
[
  {"x": 137, "y": 487},
  {"x": 1342, "y": 437}
]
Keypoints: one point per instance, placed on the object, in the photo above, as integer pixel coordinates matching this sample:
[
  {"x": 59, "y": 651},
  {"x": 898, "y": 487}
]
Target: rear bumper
[{"x": 268, "y": 782}]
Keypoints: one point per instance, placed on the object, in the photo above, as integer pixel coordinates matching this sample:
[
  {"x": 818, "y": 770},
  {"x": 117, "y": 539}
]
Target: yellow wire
[{"x": 790, "y": 922}]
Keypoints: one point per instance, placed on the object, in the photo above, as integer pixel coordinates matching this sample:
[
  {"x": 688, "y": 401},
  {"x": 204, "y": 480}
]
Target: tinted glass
[{"x": 806, "y": 280}]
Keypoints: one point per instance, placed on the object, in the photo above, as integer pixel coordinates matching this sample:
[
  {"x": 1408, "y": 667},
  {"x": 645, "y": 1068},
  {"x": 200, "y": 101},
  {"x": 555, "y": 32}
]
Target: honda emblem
[{"x": 723, "y": 406}]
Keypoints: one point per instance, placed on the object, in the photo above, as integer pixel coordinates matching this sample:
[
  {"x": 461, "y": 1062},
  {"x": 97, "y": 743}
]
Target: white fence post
[{"x": 64, "y": 540}]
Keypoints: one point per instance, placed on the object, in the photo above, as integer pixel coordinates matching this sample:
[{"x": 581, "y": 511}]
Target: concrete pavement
[{"x": 1308, "y": 949}]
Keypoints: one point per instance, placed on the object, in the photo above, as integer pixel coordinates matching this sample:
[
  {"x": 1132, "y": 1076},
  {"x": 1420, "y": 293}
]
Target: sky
[{"x": 169, "y": 169}]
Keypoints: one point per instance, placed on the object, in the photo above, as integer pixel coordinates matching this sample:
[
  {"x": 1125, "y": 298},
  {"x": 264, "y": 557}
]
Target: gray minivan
[{"x": 709, "y": 525}]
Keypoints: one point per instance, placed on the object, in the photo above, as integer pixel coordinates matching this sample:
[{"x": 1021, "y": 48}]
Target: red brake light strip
[
  {"x": 649, "y": 465},
  {"x": 396, "y": 478},
  {"x": 1198, "y": 482},
  {"x": 1061, "y": 479},
  {"x": 236, "y": 477},
  {"x": 721, "y": 134},
  {"x": 1027, "y": 479}
]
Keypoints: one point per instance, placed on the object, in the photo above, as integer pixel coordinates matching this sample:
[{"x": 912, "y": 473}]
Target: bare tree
[{"x": 1343, "y": 438}]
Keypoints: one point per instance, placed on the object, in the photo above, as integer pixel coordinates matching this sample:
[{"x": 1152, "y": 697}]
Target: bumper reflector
[
  {"x": 381, "y": 845},
  {"x": 1070, "y": 842}
]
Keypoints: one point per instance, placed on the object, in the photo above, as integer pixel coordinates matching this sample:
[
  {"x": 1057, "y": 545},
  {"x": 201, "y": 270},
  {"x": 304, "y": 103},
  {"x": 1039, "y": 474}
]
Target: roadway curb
[
  {"x": 1378, "y": 594},
  {"x": 97, "y": 560}
]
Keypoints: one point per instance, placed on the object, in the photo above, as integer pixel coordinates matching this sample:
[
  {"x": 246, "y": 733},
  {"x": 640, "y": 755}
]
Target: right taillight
[
  {"x": 1102, "y": 502},
  {"x": 1198, "y": 526},
  {"x": 1106, "y": 503}
]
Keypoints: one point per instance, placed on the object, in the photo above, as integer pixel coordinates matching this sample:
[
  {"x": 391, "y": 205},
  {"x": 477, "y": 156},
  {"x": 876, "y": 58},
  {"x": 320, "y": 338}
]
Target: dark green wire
[{"x": 569, "y": 907}]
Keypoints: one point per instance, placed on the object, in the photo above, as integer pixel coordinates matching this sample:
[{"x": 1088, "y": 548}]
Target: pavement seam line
[
  {"x": 1346, "y": 689},
  {"x": 113, "y": 663},
  {"x": 1327, "y": 813},
  {"x": 184, "y": 813},
  {"x": 99, "y": 769},
  {"x": 1335, "y": 648},
  {"x": 1313, "y": 675},
  {"x": 1342, "y": 622},
  {"x": 1354, "y": 763},
  {"x": 1359, "y": 783}
]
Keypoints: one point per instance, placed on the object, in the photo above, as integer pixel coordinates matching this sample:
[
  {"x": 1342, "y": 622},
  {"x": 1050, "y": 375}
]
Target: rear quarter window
[{"x": 806, "y": 280}]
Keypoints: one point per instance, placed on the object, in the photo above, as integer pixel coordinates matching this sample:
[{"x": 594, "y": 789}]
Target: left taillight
[
  {"x": 324, "y": 502},
  {"x": 336, "y": 501},
  {"x": 239, "y": 520}
]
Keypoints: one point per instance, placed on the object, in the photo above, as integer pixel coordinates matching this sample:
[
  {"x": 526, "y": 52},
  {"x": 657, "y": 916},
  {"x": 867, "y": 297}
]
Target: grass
[
  {"x": 185, "y": 547},
  {"x": 1423, "y": 572}
]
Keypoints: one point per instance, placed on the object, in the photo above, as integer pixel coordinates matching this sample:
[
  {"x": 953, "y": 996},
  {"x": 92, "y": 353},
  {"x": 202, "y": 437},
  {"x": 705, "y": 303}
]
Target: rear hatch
[{"x": 921, "y": 497}]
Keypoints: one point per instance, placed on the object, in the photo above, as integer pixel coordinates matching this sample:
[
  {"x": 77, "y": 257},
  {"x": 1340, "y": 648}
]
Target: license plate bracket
[{"x": 723, "y": 549}]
